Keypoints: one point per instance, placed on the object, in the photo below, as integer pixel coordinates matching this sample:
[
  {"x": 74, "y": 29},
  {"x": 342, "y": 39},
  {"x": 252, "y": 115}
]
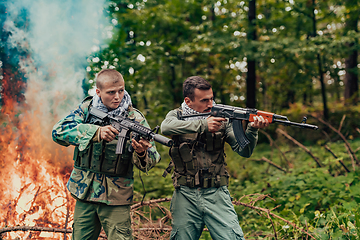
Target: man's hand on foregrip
[
  {"x": 214, "y": 123},
  {"x": 259, "y": 122},
  {"x": 108, "y": 133},
  {"x": 140, "y": 146}
]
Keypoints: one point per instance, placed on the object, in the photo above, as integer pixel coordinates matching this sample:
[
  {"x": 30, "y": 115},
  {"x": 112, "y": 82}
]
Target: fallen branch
[
  {"x": 39, "y": 229},
  {"x": 300, "y": 145},
  {"x": 357, "y": 150},
  {"x": 342, "y": 122},
  {"x": 351, "y": 156},
  {"x": 155, "y": 229},
  {"x": 340, "y": 161},
  {"x": 271, "y": 163},
  {"x": 272, "y": 143},
  {"x": 34, "y": 228},
  {"x": 342, "y": 136},
  {"x": 274, "y": 215},
  {"x": 150, "y": 202}
]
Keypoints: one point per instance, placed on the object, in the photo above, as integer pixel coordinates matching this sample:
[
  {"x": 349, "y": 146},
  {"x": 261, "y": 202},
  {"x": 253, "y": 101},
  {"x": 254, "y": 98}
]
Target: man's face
[
  {"x": 203, "y": 100},
  {"x": 111, "y": 93}
]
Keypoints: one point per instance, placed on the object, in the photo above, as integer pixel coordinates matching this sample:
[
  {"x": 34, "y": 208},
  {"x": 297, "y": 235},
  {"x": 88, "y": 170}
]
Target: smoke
[{"x": 57, "y": 37}]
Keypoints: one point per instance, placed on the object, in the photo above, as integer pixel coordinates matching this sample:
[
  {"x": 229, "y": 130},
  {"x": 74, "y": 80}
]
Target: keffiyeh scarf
[
  {"x": 121, "y": 109},
  {"x": 186, "y": 110}
]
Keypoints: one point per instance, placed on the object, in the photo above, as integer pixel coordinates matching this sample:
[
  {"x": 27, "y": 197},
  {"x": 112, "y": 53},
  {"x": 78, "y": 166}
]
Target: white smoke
[{"x": 59, "y": 37}]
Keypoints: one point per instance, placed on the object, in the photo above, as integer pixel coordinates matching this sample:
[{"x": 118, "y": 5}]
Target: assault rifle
[
  {"x": 125, "y": 126},
  {"x": 237, "y": 114}
]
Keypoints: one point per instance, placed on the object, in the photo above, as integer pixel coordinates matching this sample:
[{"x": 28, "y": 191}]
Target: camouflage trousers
[
  {"x": 194, "y": 208},
  {"x": 90, "y": 217}
]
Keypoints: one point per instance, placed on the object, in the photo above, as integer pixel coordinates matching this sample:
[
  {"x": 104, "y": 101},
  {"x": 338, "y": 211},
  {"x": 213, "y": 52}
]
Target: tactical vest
[
  {"x": 199, "y": 160},
  {"x": 100, "y": 157}
]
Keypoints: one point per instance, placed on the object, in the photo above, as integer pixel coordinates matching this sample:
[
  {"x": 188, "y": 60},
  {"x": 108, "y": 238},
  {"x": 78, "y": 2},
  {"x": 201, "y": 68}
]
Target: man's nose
[
  {"x": 117, "y": 95},
  {"x": 210, "y": 104}
]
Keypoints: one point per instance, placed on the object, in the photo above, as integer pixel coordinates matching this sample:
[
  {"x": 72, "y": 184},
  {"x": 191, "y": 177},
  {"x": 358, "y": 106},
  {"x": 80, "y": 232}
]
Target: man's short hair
[
  {"x": 108, "y": 74},
  {"x": 193, "y": 82}
]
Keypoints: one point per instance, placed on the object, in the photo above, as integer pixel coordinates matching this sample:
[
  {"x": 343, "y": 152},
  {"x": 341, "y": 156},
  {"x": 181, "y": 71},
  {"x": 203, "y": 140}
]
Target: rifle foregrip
[
  {"x": 163, "y": 140},
  {"x": 240, "y": 134}
]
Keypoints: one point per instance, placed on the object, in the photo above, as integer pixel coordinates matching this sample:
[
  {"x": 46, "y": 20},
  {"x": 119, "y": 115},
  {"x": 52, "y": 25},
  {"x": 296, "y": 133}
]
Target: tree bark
[
  {"x": 351, "y": 76},
  {"x": 251, "y": 63},
  {"x": 320, "y": 68}
]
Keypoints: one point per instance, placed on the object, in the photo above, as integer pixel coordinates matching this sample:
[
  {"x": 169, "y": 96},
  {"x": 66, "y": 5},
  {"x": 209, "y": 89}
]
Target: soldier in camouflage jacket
[{"x": 103, "y": 197}]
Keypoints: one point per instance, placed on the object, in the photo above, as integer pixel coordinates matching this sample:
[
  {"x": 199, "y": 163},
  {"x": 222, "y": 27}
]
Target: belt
[{"x": 205, "y": 182}]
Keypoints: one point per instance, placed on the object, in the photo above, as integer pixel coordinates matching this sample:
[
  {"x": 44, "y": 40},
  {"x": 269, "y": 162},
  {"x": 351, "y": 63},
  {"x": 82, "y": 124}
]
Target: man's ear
[
  {"x": 188, "y": 101},
  {"x": 97, "y": 92}
]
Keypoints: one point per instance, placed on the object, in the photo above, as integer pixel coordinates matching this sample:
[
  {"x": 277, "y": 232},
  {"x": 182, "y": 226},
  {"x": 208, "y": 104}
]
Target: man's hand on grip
[
  {"x": 214, "y": 123},
  {"x": 108, "y": 133}
]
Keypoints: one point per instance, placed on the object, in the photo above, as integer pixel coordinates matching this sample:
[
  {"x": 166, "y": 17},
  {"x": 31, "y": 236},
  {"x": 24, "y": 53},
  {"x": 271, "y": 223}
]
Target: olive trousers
[
  {"x": 90, "y": 217},
  {"x": 194, "y": 208}
]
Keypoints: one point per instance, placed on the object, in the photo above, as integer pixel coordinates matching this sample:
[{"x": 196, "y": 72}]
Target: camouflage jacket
[{"x": 96, "y": 187}]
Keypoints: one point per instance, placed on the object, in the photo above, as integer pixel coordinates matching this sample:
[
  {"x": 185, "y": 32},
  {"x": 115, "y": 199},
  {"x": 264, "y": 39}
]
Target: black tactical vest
[
  {"x": 100, "y": 157},
  {"x": 199, "y": 160}
]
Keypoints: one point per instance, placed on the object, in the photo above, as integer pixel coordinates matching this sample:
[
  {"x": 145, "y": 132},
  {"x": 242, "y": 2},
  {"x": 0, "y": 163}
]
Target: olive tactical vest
[
  {"x": 100, "y": 157},
  {"x": 199, "y": 159}
]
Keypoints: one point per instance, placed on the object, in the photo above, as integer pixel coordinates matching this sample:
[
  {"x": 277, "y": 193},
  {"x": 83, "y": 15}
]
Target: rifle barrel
[{"x": 300, "y": 125}]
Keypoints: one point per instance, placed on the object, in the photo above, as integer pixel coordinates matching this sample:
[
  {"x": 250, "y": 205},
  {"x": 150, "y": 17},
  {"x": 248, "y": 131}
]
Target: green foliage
[
  {"x": 158, "y": 44},
  {"x": 322, "y": 200}
]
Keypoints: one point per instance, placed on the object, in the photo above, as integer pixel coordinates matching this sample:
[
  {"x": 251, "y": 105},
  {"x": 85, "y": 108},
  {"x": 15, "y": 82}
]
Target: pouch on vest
[
  {"x": 95, "y": 158},
  {"x": 186, "y": 155},
  {"x": 83, "y": 157},
  {"x": 110, "y": 158},
  {"x": 214, "y": 141},
  {"x": 114, "y": 163},
  {"x": 175, "y": 156},
  {"x": 218, "y": 141},
  {"x": 125, "y": 166}
]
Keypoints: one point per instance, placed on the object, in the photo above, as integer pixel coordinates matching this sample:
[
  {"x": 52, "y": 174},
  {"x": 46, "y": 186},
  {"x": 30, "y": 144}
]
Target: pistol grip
[{"x": 137, "y": 138}]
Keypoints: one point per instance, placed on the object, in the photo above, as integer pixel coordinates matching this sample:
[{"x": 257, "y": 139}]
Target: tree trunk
[
  {"x": 251, "y": 63},
  {"x": 320, "y": 69},
  {"x": 351, "y": 76},
  {"x": 351, "y": 79}
]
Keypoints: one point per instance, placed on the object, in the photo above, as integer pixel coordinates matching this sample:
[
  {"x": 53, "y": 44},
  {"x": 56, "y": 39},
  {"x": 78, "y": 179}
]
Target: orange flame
[{"x": 33, "y": 169}]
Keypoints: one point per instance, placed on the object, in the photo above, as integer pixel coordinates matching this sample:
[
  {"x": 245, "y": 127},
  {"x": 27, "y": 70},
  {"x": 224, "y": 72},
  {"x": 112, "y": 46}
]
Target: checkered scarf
[
  {"x": 123, "y": 106},
  {"x": 186, "y": 110}
]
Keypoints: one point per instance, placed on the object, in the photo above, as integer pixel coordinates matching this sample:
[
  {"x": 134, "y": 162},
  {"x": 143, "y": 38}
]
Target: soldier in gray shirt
[{"x": 200, "y": 178}]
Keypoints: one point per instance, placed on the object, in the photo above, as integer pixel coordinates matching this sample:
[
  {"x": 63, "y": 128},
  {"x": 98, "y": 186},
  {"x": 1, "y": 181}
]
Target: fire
[{"x": 33, "y": 169}]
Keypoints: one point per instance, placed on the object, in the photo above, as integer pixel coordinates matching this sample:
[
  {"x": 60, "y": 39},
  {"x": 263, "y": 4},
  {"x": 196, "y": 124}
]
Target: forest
[{"x": 297, "y": 58}]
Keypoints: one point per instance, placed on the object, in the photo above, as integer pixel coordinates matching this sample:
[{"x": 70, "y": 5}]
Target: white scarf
[
  {"x": 186, "y": 110},
  {"x": 121, "y": 109}
]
